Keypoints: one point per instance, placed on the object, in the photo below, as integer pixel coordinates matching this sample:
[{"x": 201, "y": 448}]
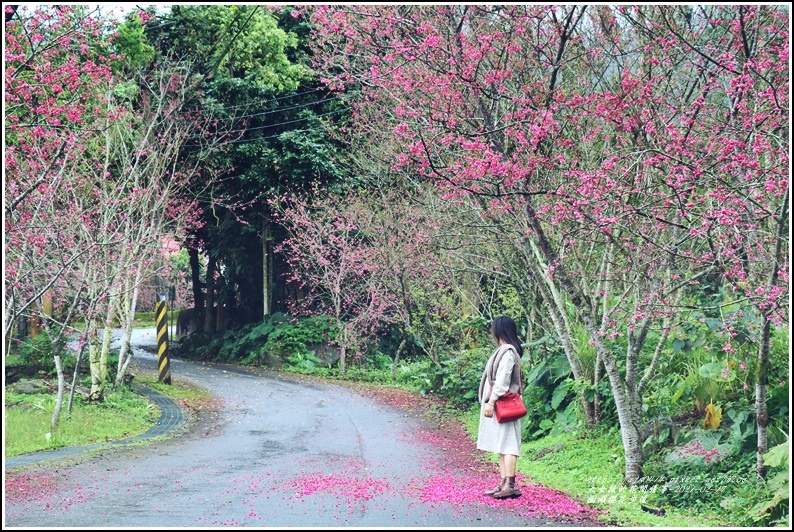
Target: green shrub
[
  {"x": 294, "y": 335},
  {"x": 458, "y": 378},
  {"x": 762, "y": 502},
  {"x": 35, "y": 350},
  {"x": 303, "y": 363},
  {"x": 552, "y": 398},
  {"x": 419, "y": 376},
  {"x": 280, "y": 335}
]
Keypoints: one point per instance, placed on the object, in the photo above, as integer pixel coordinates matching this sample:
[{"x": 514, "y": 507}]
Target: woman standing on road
[{"x": 502, "y": 374}]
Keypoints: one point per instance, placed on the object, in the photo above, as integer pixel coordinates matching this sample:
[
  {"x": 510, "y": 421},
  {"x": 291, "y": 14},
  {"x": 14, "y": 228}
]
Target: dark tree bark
[
  {"x": 209, "y": 313},
  {"x": 198, "y": 294}
]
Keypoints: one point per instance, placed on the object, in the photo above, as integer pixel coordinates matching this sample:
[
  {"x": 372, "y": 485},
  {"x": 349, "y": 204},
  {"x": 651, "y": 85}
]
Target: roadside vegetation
[
  {"x": 598, "y": 173},
  {"x": 29, "y": 403},
  {"x": 700, "y": 470},
  {"x": 695, "y": 476},
  {"x": 27, "y": 419}
]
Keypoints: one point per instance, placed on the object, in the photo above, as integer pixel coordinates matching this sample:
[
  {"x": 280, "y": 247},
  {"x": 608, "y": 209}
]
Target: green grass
[
  {"x": 27, "y": 420},
  {"x": 591, "y": 468},
  {"x": 178, "y": 390},
  {"x": 122, "y": 414}
]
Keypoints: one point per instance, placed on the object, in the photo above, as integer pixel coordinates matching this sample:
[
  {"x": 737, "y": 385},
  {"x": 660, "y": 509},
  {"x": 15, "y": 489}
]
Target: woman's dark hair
[{"x": 504, "y": 328}]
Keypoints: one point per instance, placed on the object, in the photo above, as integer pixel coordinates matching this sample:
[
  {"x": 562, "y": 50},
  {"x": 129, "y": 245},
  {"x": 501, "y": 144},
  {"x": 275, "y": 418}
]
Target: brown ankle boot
[
  {"x": 509, "y": 489},
  {"x": 498, "y": 488}
]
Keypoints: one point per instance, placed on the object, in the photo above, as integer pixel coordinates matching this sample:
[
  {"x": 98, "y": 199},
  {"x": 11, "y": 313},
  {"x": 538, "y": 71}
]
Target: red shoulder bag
[{"x": 510, "y": 406}]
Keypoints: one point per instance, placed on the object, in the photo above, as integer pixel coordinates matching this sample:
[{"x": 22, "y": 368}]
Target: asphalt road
[{"x": 282, "y": 452}]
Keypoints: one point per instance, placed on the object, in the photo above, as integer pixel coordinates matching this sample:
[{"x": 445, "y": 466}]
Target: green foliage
[
  {"x": 774, "y": 510},
  {"x": 419, "y": 376},
  {"x": 551, "y": 398},
  {"x": 36, "y": 350},
  {"x": 126, "y": 91},
  {"x": 303, "y": 362},
  {"x": 279, "y": 336},
  {"x": 253, "y": 77},
  {"x": 718, "y": 467},
  {"x": 247, "y": 344},
  {"x": 459, "y": 377},
  {"x": 27, "y": 420},
  {"x": 713, "y": 359},
  {"x": 292, "y": 336},
  {"x": 374, "y": 367},
  {"x": 231, "y": 41},
  {"x": 704, "y": 450},
  {"x": 130, "y": 42},
  {"x": 510, "y": 303}
]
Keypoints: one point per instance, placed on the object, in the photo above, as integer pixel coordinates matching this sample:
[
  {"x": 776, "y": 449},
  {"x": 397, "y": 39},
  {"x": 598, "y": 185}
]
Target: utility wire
[
  {"x": 257, "y": 139},
  {"x": 95, "y": 130},
  {"x": 278, "y": 124},
  {"x": 273, "y": 111}
]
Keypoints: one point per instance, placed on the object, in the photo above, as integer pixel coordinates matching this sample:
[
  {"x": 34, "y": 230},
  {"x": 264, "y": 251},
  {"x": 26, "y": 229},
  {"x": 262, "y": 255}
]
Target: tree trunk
[
  {"x": 342, "y": 345},
  {"x": 75, "y": 376},
  {"x": 761, "y": 413},
  {"x": 342, "y": 354},
  {"x": 209, "y": 310},
  {"x": 106, "y": 337},
  {"x": 597, "y": 397},
  {"x": 266, "y": 270},
  {"x": 629, "y": 407},
  {"x": 198, "y": 295},
  {"x": 9, "y": 318},
  {"x": 630, "y": 417},
  {"x": 93, "y": 362},
  {"x": 556, "y": 308},
  {"x": 56, "y": 341},
  {"x": 397, "y": 358},
  {"x": 56, "y": 411},
  {"x": 125, "y": 352}
]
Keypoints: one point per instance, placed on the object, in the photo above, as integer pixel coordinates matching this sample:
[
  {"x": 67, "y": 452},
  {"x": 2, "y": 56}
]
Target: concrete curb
[{"x": 171, "y": 418}]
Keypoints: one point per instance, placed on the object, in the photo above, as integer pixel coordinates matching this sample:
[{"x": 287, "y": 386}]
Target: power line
[
  {"x": 273, "y": 111},
  {"x": 244, "y": 130},
  {"x": 263, "y": 102},
  {"x": 257, "y": 139}
]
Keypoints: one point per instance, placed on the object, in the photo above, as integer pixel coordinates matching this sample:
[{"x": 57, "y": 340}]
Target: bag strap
[
  {"x": 520, "y": 380},
  {"x": 518, "y": 361}
]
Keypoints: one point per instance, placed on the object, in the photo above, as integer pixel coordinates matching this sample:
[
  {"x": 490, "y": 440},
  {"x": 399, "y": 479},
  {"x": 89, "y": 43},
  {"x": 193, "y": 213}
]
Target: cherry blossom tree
[
  {"x": 405, "y": 234},
  {"x": 51, "y": 119},
  {"x": 621, "y": 150},
  {"x": 153, "y": 169},
  {"x": 331, "y": 265},
  {"x": 95, "y": 166},
  {"x": 56, "y": 87}
]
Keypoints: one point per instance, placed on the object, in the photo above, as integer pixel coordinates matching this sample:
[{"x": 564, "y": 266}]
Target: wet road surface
[{"x": 283, "y": 452}]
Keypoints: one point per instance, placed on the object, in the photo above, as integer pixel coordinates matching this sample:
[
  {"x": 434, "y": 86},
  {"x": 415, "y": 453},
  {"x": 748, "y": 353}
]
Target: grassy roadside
[
  {"x": 123, "y": 413},
  {"x": 141, "y": 319},
  {"x": 586, "y": 469},
  {"x": 589, "y": 470}
]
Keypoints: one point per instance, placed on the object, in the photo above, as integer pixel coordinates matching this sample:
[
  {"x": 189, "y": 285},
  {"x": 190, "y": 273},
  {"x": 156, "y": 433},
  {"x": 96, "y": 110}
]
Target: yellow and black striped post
[{"x": 162, "y": 342}]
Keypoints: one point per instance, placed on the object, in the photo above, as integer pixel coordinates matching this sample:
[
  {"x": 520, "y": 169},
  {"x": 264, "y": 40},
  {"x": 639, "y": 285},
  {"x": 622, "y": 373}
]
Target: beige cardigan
[{"x": 489, "y": 375}]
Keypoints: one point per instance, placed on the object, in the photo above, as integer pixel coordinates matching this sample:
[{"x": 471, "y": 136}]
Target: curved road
[{"x": 282, "y": 452}]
